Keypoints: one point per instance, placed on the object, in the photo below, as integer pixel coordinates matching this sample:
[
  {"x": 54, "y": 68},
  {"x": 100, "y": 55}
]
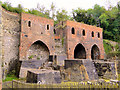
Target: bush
[{"x": 107, "y": 46}]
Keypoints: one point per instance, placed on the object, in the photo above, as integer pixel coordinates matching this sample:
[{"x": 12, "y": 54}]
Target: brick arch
[
  {"x": 47, "y": 45},
  {"x": 26, "y": 45},
  {"x": 80, "y": 51},
  {"x": 37, "y": 30},
  {"x": 95, "y": 52},
  {"x": 38, "y": 51}
]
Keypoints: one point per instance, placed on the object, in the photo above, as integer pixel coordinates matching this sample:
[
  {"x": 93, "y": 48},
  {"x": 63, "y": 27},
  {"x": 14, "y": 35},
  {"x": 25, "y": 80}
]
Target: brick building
[
  {"x": 29, "y": 37},
  {"x": 81, "y": 40}
]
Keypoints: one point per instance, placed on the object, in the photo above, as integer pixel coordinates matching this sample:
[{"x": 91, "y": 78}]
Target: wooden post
[
  {"x": 119, "y": 85},
  {"x": 12, "y": 84}
]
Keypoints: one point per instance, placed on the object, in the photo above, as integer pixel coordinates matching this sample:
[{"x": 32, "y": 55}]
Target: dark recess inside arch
[
  {"x": 38, "y": 51},
  {"x": 79, "y": 52},
  {"x": 95, "y": 52},
  {"x": 92, "y": 34},
  {"x": 83, "y": 32},
  {"x": 73, "y": 30},
  {"x": 98, "y": 35},
  {"x": 29, "y": 23}
]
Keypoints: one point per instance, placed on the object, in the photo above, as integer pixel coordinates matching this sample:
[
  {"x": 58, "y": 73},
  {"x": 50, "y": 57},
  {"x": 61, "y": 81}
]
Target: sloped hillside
[{"x": 112, "y": 49}]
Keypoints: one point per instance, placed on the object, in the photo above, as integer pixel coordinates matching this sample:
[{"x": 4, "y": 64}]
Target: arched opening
[
  {"x": 38, "y": 51},
  {"x": 83, "y": 32},
  {"x": 98, "y": 35},
  {"x": 95, "y": 52},
  {"x": 29, "y": 23},
  {"x": 48, "y": 27},
  {"x": 79, "y": 52},
  {"x": 73, "y": 30},
  {"x": 54, "y": 31},
  {"x": 92, "y": 34}
]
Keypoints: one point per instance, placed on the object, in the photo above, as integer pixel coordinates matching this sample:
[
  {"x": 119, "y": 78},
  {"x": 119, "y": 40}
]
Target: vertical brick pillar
[{"x": 1, "y": 34}]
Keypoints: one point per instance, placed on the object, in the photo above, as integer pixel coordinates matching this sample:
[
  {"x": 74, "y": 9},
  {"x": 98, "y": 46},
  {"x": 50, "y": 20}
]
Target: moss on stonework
[
  {"x": 38, "y": 58},
  {"x": 62, "y": 41},
  {"x": 30, "y": 57}
]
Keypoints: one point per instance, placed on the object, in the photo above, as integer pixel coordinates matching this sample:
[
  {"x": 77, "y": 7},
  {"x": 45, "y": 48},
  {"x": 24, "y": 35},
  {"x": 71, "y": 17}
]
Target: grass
[{"x": 10, "y": 77}]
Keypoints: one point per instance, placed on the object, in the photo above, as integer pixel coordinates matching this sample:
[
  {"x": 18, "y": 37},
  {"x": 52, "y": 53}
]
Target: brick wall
[
  {"x": 19, "y": 33},
  {"x": 35, "y": 28},
  {"x": 72, "y": 40}
]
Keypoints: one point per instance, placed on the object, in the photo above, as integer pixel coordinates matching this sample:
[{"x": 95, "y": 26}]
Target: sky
[{"x": 63, "y": 4}]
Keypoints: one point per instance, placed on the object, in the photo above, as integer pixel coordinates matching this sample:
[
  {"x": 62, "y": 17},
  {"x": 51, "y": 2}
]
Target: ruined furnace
[
  {"x": 26, "y": 37},
  {"x": 38, "y": 38}
]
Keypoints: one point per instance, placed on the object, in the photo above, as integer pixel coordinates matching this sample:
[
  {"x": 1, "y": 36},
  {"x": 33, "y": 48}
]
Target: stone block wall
[
  {"x": 29, "y": 65},
  {"x": 43, "y": 76},
  {"x": 80, "y": 70},
  {"x": 106, "y": 70},
  {"x": 11, "y": 40},
  {"x": 1, "y": 35},
  {"x": 60, "y": 59},
  {"x": 59, "y": 46},
  {"x": 38, "y": 51}
]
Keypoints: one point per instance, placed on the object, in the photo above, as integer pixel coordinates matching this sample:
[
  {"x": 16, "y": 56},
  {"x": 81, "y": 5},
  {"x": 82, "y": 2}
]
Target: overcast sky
[{"x": 64, "y": 4}]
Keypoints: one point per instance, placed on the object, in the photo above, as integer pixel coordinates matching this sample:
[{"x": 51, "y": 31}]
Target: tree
[
  {"x": 81, "y": 15},
  {"x": 52, "y": 9},
  {"x": 104, "y": 21},
  {"x": 61, "y": 16},
  {"x": 116, "y": 24},
  {"x": 42, "y": 11},
  {"x": 20, "y": 8}
]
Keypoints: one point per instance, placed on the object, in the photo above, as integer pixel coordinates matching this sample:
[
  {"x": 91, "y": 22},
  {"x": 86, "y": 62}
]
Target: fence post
[
  {"x": 119, "y": 85},
  {"x": 12, "y": 84}
]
